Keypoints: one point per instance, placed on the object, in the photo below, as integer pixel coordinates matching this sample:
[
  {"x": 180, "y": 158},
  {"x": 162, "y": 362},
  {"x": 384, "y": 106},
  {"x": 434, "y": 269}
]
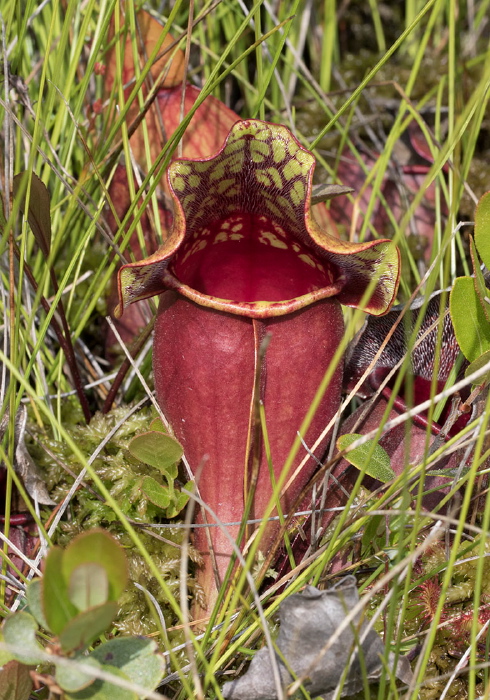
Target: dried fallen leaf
[
  {"x": 322, "y": 193},
  {"x": 308, "y": 620},
  {"x": 24, "y": 464}
]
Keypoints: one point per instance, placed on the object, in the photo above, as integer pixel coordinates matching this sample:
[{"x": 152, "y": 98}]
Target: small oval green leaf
[
  {"x": 158, "y": 450},
  {"x": 72, "y": 679},
  {"x": 34, "y": 595},
  {"x": 58, "y": 609},
  {"x": 369, "y": 457},
  {"x": 469, "y": 320},
  {"x": 87, "y": 626},
  {"x": 104, "y": 690},
  {"x": 482, "y": 228},
  {"x": 137, "y": 657},
  {"x": 98, "y": 547},
  {"x": 476, "y": 365},
  {"x": 180, "y": 502},
  {"x": 480, "y": 286},
  {"x": 5, "y": 656},
  {"x": 19, "y": 632},
  {"x": 160, "y": 496},
  {"x": 158, "y": 426},
  {"x": 88, "y": 586}
]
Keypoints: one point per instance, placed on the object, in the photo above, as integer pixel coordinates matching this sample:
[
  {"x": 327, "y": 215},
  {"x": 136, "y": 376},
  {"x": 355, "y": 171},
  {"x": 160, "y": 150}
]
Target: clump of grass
[{"x": 53, "y": 125}]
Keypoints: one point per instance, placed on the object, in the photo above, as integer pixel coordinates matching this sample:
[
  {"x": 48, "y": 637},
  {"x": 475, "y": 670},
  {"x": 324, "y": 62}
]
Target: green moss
[{"x": 122, "y": 475}]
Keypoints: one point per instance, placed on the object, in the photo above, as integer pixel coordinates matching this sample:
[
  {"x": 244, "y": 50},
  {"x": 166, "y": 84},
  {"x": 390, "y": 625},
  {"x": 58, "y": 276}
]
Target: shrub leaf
[
  {"x": 58, "y": 609},
  {"x": 88, "y": 586},
  {"x": 34, "y": 595},
  {"x": 71, "y": 679},
  {"x": 159, "y": 495},
  {"x": 482, "y": 228},
  {"x": 137, "y": 657},
  {"x": 470, "y": 323},
  {"x": 369, "y": 457},
  {"x": 84, "y": 628},
  {"x": 98, "y": 547},
  {"x": 19, "y": 632},
  {"x": 157, "y": 449}
]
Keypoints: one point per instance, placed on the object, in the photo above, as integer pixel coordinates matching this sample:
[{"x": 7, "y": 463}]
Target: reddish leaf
[
  {"x": 149, "y": 37},
  {"x": 149, "y": 33},
  {"x": 399, "y": 187},
  {"x": 15, "y": 681},
  {"x": 204, "y": 136},
  {"x": 38, "y": 214}
]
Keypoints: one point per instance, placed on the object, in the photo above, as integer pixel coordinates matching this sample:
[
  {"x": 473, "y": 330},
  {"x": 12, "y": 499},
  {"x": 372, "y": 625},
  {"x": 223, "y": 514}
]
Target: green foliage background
[{"x": 333, "y": 73}]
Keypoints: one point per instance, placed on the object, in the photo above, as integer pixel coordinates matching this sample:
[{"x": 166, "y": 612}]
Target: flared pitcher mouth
[{"x": 244, "y": 241}]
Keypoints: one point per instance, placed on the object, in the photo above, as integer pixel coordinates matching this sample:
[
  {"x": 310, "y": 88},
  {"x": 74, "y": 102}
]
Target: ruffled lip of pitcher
[{"x": 244, "y": 241}]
